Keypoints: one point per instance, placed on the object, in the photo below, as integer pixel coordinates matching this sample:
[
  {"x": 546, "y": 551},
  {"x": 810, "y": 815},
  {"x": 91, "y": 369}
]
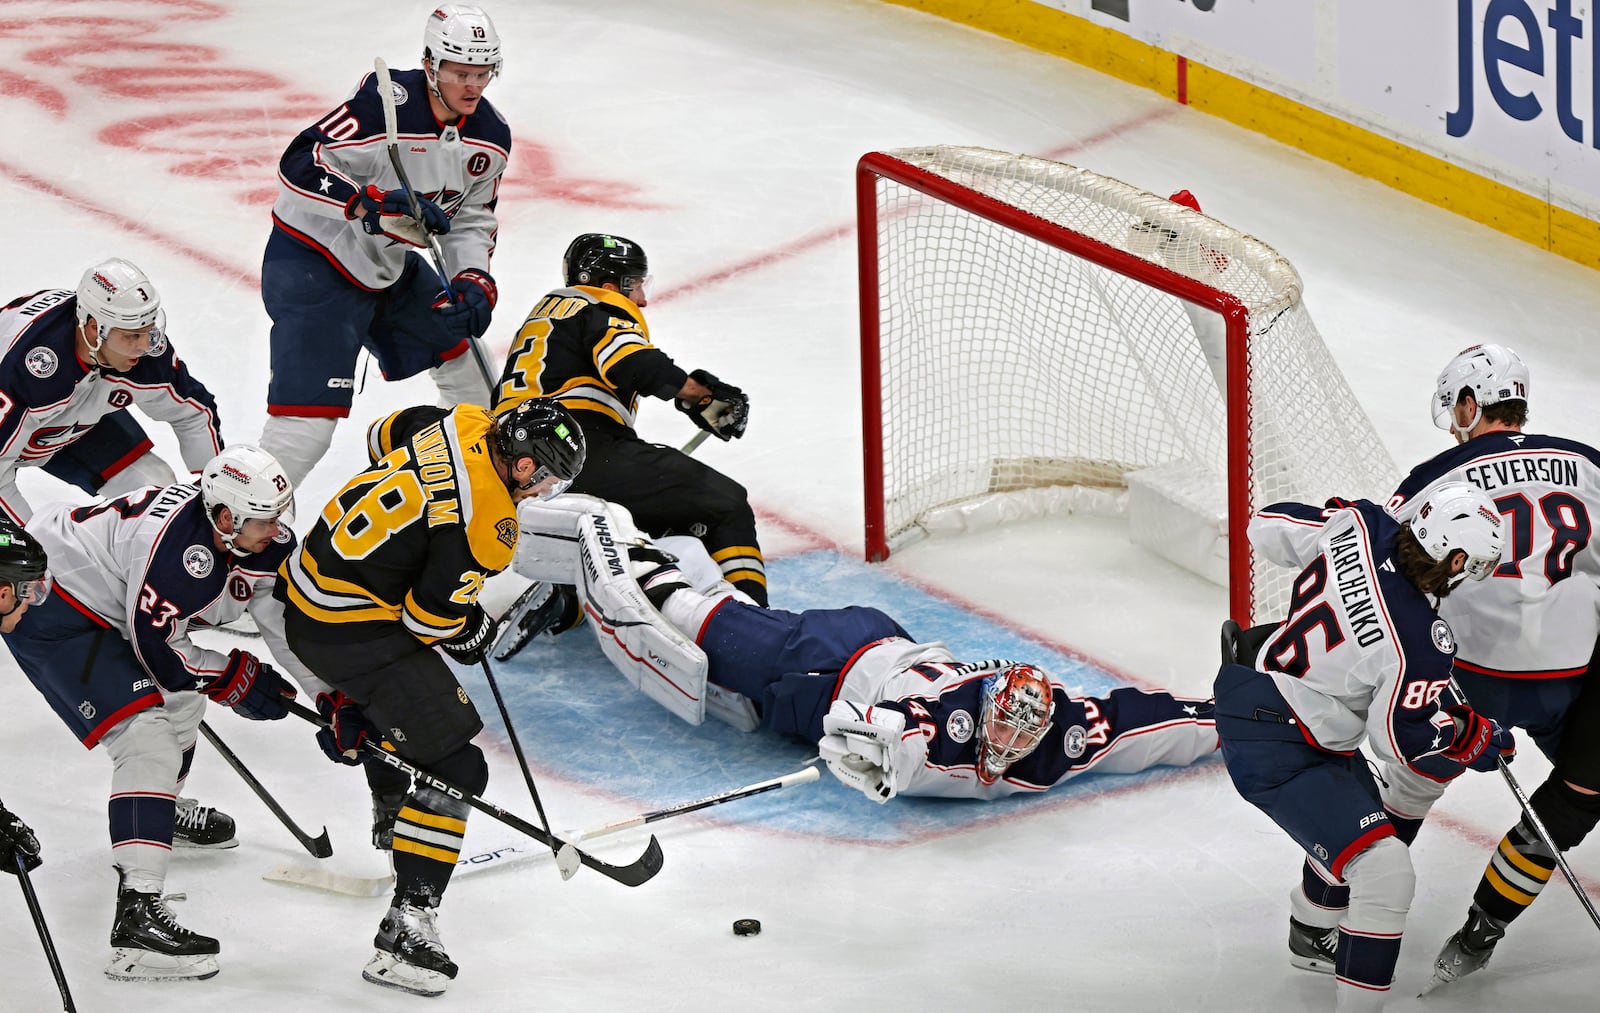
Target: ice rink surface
[{"x": 722, "y": 135}]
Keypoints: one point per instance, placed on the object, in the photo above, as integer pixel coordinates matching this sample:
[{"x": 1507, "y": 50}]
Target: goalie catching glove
[
  {"x": 870, "y": 749},
  {"x": 253, "y": 688},
  {"x": 723, "y": 413}
]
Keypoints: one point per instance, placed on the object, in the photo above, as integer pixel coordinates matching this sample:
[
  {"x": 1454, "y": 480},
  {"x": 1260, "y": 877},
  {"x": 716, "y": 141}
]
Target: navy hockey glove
[
  {"x": 472, "y": 299},
  {"x": 388, "y": 213},
  {"x": 253, "y": 688},
  {"x": 1479, "y": 741},
  {"x": 17, "y": 839},
  {"x": 724, "y": 413},
  {"x": 347, "y": 728},
  {"x": 468, "y": 646}
]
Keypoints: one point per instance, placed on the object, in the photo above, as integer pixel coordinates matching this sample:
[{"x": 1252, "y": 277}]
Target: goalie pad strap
[{"x": 650, "y": 653}]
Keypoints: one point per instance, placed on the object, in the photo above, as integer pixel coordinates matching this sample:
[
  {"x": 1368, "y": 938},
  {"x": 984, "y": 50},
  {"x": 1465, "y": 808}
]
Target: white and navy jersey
[
  {"x": 1362, "y": 653},
  {"x": 146, "y": 564},
  {"x": 1128, "y": 730},
  {"x": 456, "y": 165},
  {"x": 49, "y": 398},
  {"x": 1538, "y": 615}
]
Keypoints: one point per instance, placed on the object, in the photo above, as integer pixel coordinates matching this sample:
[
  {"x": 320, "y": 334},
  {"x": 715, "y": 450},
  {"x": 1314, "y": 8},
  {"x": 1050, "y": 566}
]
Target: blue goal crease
[{"x": 595, "y": 729}]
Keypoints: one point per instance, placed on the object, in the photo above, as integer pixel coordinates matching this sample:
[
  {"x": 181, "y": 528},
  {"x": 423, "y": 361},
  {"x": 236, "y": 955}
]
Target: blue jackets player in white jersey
[
  {"x": 890, "y": 715},
  {"x": 111, "y": 652},
  {"x": 341, "y": 271},
  {"x": 1527, "y": 637},
  {"x": 1362, "y": 658},
  {"x": 73, "y": 363}
]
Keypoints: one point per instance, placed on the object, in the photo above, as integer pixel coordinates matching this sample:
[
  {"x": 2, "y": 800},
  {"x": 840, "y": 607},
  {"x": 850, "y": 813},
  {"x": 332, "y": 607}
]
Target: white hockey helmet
[
  {"x": 251, "y": 484},
  {"x": 1017, "y": 701},
  {"x": 460, "y": 33},
  {"x": 1494, "y": 373},
  {"x": 119, "y": 295},
  {"x": 1461, "y": 516}
]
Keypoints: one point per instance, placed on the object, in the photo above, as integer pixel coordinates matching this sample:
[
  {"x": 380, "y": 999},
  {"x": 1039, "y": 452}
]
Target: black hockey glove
[
  {"x": 347, "y": 728},
  {"x": 253, "y": 688},
  {"x": 17, "y": 839},
  {"x": 724, "y": 414},
  {"x": 468, "y": 646}
]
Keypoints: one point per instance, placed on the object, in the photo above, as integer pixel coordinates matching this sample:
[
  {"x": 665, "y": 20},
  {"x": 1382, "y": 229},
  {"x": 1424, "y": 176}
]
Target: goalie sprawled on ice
[{"x": 890, "y": 715}]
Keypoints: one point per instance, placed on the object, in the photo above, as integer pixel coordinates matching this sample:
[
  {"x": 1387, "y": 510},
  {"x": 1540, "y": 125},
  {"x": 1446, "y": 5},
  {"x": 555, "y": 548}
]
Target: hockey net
[{"x": 1036, "y": 337}]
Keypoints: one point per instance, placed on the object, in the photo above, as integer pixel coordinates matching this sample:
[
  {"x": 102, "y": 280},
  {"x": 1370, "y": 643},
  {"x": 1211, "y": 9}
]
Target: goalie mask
[
  {"x": 1460, "y": 516},
  {"x": 119, "y": 296},
  {"x": 252, "y": 485},
  {"x": 1494, "y": 373},
  {"x": 545, "y": 431},
  {"x": 1017, "y": 702},
  {"x": 594, "y": 259}
]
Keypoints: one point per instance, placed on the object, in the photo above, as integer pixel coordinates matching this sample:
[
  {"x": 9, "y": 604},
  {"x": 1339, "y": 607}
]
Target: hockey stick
[
  {"x": 695, "y": 441},
  {"x": 635, "y": 873},
  {"x": 319, "y": 846},
  {"x": 1536, "y": 823},
  {"x": 502, "y": 856},
  {"x": 392, "y": 131},
  {"x": 567, "y": 860},
  {"x": 44, "y": 931}
]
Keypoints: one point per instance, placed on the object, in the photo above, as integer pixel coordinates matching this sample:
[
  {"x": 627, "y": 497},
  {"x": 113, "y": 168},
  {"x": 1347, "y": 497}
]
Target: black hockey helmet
[
  {"x": 594, "y": 259},
  {"x": 21, "y": 557},
  {"x": 545, "y": 431}
]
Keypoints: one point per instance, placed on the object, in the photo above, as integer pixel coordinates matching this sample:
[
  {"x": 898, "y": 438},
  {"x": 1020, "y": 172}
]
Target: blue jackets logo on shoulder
[
  {"x": 1443, "y": 639},
  {"x": 198, "y": 561},
  {"x": 41, "y": 362}
]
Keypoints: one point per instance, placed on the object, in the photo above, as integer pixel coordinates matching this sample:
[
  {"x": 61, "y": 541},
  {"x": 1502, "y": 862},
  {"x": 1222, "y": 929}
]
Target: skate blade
[
  {"x": 1316, "y": 964},
  {"x": 133, "y": 964},
  {"x": 179, "y": 842},
  {"x": 390, "y": 971}
]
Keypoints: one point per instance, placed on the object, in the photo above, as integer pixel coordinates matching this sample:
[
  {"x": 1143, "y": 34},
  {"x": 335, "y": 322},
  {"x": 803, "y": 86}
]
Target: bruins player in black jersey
[
  {"x": 587, "y": 346},
  {"x": 392, "y": 569}
]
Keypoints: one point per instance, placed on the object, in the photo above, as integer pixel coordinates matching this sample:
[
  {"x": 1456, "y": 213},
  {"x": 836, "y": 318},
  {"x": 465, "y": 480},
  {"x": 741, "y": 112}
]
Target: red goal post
[{"x": 1039, "y": 338}]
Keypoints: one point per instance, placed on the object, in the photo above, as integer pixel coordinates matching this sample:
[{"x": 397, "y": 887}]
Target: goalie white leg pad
[
  {"x": 650, "y": 653},
  {"x": 130, "y": 963},
  {"x": 390, "y": 971},
  {"x": 731, "y": 708}
]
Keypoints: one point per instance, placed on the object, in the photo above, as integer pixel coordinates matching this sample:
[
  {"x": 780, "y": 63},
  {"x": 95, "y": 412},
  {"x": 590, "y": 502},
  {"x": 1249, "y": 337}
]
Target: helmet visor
[{"x": 33, "y": 592}]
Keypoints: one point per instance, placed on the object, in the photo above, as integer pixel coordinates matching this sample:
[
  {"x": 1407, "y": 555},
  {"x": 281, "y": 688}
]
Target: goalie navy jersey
[
  {"x": 1362, "y": 653},
  {"x": 1538, "y": 614},
  {"x": 146, "y": 564},
  {"x": 49, "y": 398},
  {"x": 1125, "y": 731},
  {"x": 456, "y": 165},
  {"x": 410, "y": 540},
  {"x": 590, "y": 349}
]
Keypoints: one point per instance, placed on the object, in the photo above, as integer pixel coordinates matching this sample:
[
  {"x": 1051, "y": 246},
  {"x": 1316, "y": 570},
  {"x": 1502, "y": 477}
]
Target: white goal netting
[{"x": 1028, "y": 339}]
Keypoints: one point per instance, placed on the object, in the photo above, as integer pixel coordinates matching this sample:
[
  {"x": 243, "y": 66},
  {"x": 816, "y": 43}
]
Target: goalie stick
[
  {"x": 635, "y": 873},
  {"x": 319, "y": 846},
  {"x": 392, "y": 131}
]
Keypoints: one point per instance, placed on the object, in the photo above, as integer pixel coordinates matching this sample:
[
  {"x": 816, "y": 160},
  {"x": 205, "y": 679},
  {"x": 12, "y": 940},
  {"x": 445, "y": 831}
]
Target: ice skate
[
  {"x": 148, "y": 944},
  {"x": 1312, "y": 948},
  {"x": 541, "y": 607},
  {"x": 200, "y": 826},
  {"x": 409, "y": 956},
  {"x": 1466, "y": 951}
]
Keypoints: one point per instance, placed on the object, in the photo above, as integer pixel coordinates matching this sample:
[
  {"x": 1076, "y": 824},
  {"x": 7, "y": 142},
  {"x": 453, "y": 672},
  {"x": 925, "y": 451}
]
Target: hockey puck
[{"x": 747, "y": 927}]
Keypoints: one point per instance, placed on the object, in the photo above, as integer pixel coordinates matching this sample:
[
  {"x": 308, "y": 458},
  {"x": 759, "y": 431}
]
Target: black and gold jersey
[
  {"x": 590, "y": 349},
  {"x": 412, "y": 538}
]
